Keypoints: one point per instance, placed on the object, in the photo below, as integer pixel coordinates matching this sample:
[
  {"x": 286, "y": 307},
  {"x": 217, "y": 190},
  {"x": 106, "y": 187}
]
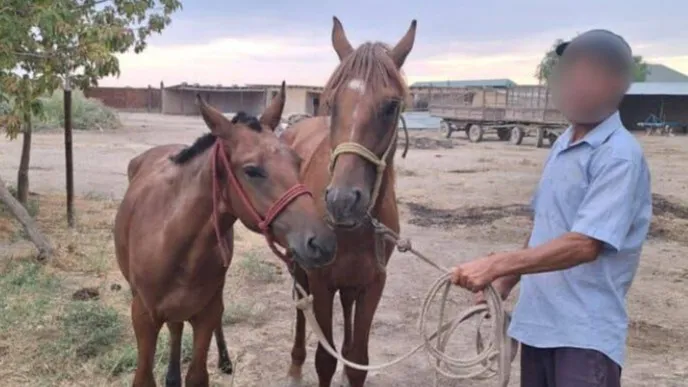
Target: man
[{"x": 592, "y": 212}]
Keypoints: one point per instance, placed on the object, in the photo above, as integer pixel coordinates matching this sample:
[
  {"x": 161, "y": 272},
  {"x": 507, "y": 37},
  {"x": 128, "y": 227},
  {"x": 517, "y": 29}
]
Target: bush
[{"x": 87, "y": 113}]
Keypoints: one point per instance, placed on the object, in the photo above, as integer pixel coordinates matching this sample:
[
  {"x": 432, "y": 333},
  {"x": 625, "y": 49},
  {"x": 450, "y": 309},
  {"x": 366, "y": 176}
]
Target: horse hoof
[{"x": 225, "y": 365}]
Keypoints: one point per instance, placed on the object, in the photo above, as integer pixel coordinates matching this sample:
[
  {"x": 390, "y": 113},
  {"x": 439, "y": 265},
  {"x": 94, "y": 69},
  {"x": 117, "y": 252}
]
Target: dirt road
[{"x": 459, "y": 201}]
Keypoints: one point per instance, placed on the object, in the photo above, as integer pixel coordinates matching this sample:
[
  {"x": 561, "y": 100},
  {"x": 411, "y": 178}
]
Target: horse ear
[
  {"x": 403, "y": 48},
  {"x": 215, "y": 120},
  {"x": 339, "y": 41},
  {"x": 273, "y": 113}
]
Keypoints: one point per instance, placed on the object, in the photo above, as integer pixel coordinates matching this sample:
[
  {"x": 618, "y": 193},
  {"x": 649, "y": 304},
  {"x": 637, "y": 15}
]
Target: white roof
[{"x": 658, "y": 88}]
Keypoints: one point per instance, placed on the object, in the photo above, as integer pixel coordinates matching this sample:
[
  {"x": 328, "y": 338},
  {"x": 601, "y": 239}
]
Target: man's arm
[
  {"x": 504, "y": 285},
  {"x": 603, "y": 219}
]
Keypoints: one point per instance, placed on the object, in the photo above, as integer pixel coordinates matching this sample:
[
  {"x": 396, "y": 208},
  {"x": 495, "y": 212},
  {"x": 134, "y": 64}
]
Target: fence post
[
  {"x": 69, "y": 162},
  {"x": 150, "y": 98}
]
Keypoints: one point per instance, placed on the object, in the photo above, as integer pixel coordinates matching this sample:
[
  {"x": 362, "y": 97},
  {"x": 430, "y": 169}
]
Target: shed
[
  {"x": 252, "y": 98},
  {"x": 493, "y": 83},
  {"x": 666, "y": 100}
]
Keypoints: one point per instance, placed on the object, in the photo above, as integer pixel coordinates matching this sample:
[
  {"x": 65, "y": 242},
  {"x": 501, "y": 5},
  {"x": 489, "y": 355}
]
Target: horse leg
[
  {"x": 224, "y": 363},
  {"x": 366, "y": 304},
  {"x": 204, "y": 324},
  {"x": 174, "y": 369},
  {"x": 325, "y": 364},
  {"x": 146, "y": 330},
  {"x": 347, "y": 297},
  {"x": 298, "y": 351}
]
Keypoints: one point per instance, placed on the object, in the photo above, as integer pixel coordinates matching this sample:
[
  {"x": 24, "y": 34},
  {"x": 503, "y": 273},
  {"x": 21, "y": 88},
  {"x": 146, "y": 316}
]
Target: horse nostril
[
  {"x": 312, "y": 244},
  {"x": 357, "y": 195}
]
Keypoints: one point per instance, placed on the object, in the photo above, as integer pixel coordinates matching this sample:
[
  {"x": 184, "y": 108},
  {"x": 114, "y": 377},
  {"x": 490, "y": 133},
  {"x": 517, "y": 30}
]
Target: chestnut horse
[
  {"x": 355, "y": 135},
  {"x": 174, "y": 238}
]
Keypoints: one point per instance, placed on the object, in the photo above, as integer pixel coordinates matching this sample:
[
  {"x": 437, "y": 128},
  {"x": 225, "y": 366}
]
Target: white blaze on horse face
[{"x": 359, "y": 86}]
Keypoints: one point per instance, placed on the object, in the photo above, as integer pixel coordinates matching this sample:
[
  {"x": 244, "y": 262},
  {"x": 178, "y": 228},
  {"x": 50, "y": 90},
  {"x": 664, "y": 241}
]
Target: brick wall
[{"x": 128, "y": 98}]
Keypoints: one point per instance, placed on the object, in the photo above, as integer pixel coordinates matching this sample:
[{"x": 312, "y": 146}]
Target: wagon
[
  {"x": 655, "y": 125},
  {"x": 510, "y": 113}
]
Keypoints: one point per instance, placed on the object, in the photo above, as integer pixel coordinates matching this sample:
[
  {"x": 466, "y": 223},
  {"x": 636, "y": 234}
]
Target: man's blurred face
[{"x": 586, "y": 89}]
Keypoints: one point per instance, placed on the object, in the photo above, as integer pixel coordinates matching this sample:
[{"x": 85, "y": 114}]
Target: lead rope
[{"x": 491, "y": 360}]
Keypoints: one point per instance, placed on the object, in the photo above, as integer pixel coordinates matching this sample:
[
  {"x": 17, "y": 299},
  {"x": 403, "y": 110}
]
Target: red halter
[{"x": 264, "y": 223}]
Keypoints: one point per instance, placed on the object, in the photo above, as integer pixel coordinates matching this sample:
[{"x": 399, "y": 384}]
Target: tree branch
[{"x": 45, "y": 250}]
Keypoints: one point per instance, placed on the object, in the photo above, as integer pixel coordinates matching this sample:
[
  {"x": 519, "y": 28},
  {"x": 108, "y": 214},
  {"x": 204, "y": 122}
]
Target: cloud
[
  {"x": 303, "y": 60},
  {"x": 227, "y": 61}
]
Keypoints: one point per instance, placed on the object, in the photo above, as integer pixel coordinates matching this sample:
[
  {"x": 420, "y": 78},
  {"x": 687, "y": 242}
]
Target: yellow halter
[{"x": 367, "y": 154}]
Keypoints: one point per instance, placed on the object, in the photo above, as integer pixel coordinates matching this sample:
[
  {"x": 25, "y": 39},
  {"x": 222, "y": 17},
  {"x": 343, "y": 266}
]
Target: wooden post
[
  {"x": 150, "y": 98},
  {"x": 162, "y": 92},
  {"x": 69, "y": 165}
]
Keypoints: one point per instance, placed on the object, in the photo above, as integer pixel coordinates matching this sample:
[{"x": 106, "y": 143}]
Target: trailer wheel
[
  {"x": 475, "y": 133},
  {"x": 503, "y": 134},
  {"x": 552, "y": 138},
  {"x": 517, "y": 135},
  {"x": 446, "y": 128},
  {"x": 539, "y": 137}
]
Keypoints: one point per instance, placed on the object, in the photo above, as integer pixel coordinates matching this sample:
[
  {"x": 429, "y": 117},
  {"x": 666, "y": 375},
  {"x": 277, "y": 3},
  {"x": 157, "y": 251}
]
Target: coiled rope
[{"x": 493, "y": 359}]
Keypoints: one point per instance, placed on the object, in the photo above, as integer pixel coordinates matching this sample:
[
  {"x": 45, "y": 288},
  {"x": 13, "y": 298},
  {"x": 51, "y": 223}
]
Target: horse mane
[
  {"x": 207, "y": 140},
  {"x": 371, "y": 63}
]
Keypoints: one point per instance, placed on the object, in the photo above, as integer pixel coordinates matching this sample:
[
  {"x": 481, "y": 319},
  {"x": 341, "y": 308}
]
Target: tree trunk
[
  {"x": 45, "y": 250},
  {"x": 23, "y": 173}
]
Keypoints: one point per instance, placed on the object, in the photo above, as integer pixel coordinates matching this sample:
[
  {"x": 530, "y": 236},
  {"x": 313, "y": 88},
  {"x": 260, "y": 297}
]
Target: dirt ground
[{"x": 458, "y": 201}]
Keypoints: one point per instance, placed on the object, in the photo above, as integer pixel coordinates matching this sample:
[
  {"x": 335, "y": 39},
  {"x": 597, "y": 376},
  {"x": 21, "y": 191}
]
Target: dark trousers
[{"x": 567, "y": 367}]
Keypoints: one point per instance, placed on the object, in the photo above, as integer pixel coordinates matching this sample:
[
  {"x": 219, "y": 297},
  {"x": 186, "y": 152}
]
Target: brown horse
[
  {"x": 173, "y": 230},
  {"x": 355, "y": 135}
]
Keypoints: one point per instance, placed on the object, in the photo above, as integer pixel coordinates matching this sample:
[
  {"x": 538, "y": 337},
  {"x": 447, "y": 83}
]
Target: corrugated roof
[
  {"x": 468, "y": 83},
  {"x": 659, "y": 88},
  {"x": 247, "y": 87},
  {"x": 198, "y": 87},
  {"x": 662, "y": 73},
  {"x": 288, "y": 86}
]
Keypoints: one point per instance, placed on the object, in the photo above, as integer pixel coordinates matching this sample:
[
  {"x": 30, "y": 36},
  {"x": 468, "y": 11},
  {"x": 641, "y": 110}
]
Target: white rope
[{"x": 492, "y": 360}]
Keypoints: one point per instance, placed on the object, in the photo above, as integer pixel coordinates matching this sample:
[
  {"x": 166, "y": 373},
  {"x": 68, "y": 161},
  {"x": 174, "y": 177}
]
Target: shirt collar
[{"x": 598, "y": 135}]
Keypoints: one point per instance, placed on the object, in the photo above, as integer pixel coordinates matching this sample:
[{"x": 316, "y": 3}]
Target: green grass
[
  {"x": 256, "y": 269},
  {"x": 32, "y": 207},
  {"x": 26, "y": 294},
  {"x": 89, "y": 329},
  {"x": 238, "y": 312},
  {"x": 87, "y": 113},
  {"x": 122, "y": 359}
]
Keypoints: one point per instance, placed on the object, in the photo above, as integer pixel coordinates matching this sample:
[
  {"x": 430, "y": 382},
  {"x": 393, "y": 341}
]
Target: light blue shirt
[{"x": 599, "y": 187}]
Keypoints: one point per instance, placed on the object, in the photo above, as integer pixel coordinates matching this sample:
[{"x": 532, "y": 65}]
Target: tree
[
  {"x": 544, "y": 69},
  {"x": 546, "y": 65},
  {"x": 46, "y": 42}
]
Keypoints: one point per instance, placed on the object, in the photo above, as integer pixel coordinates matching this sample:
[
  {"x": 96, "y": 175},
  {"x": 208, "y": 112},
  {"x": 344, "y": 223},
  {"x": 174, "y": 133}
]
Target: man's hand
[
  {"x": 503, "y": 286},
  {"x": 475, "y": 275}
]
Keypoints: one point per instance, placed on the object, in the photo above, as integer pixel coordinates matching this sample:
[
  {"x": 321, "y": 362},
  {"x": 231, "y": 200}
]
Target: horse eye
[
  {"x": 390, "y": 108},
  {"x": 253, "y": 171}
]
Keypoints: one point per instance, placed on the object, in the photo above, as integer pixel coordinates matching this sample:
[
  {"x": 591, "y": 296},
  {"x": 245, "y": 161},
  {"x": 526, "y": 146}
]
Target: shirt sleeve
[{"x": 608, "y": 208}]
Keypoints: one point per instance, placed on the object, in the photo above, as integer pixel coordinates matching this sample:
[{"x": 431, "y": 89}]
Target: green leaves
[
  {"x": 47, "y": 40},
  {"x": 544, "y": 69}
]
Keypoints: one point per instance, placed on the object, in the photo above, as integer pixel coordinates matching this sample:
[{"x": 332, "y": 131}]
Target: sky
[{"x": 267, "y": 41}]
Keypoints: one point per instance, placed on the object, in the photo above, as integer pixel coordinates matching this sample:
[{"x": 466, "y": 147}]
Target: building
[
  {"x": 668, "y": 101},
  {"x": 501, "y": 83},
  {"x": 133, "y": 99},
  {"x": 661, "y": 73},
  {"x": 252, "y": 99}
]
